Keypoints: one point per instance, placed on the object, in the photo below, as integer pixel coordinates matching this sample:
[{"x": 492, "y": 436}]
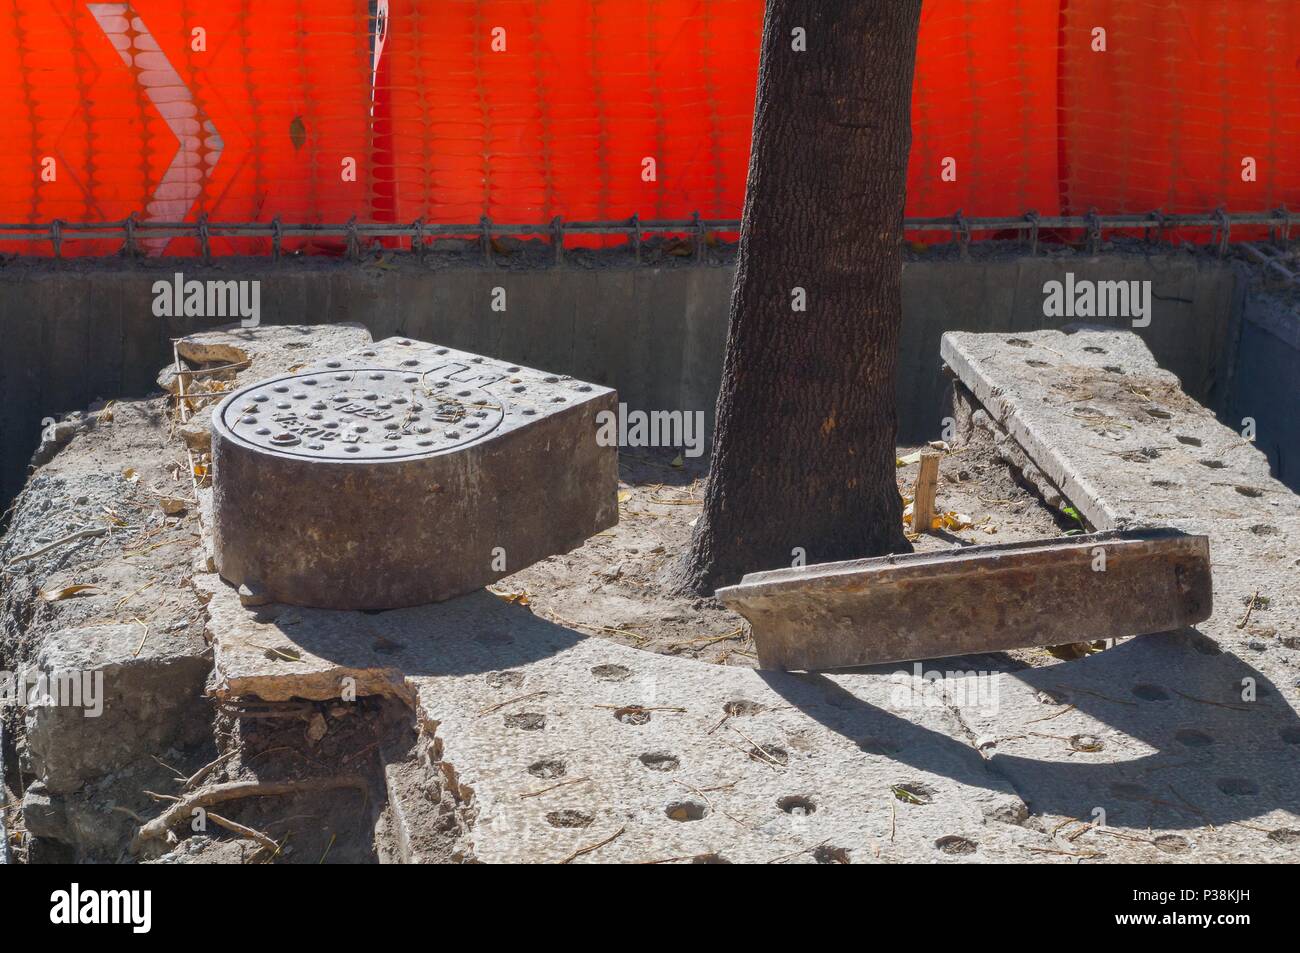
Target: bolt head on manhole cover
[{"x": 360, "y": 414}]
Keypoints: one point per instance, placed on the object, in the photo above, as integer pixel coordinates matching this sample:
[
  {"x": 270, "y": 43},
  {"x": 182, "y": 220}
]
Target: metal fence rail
[{"x": 1030, "y": 226}]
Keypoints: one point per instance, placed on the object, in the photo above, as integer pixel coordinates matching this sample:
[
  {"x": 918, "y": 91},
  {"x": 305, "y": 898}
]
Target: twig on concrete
[
  {"x": 771, "y": 765},
  {"x": 757, "y": 747},
  {"x": 510, "y": 701},
  {"x": 1249, "y": 609},
  {"x": 203, "y": 372},
  {"x": 1050, "y": 717},
  {"x": 1206, "y": 701},
  {"x": 590, "y": 847},
  {"x": 561, "y": 784},
  {"x": 797, "y": 853},
  {"x": 1088, "y": 855},
  {"x": 641, "y": 708},
  {"x": 71, "y": 537}
]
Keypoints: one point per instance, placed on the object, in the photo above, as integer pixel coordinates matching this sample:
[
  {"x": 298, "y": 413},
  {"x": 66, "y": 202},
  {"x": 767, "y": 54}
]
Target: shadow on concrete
[
  {"x": 1182, "y": 748},
  {"x": 474, "y": 633}
]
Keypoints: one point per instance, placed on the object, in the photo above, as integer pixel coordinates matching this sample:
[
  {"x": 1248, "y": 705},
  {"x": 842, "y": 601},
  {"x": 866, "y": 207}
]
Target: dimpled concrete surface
[{"x": 556, "y": 742}]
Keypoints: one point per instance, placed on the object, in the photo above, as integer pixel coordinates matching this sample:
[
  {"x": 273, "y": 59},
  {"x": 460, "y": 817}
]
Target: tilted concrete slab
[
  {"x": 405, "y": 473},
  {"x": 1200, "y": 727},
  {"x": 975, "y": 599}
]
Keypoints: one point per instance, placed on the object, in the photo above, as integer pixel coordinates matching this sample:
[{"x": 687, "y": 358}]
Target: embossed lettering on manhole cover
[{"x": 368, "y": 413}]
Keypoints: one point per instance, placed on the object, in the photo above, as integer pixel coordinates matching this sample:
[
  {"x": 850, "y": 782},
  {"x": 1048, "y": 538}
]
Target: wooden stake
[{"x": 927, "y": 483}]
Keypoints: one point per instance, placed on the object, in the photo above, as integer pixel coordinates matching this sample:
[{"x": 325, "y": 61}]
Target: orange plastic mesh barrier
[
  {"x": 113, "y": 108},
  {"x": 522, "y": 110}
]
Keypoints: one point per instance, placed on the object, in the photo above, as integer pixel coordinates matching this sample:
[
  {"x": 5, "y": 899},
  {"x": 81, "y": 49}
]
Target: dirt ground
[{"x": 618, "y": 585}]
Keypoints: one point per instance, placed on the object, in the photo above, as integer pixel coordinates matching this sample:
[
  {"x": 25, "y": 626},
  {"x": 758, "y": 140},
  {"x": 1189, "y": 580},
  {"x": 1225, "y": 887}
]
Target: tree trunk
[{"x": 803, "y": 458}]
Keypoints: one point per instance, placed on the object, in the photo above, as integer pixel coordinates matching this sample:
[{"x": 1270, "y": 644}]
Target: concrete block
[
  {"x": 120, "y": 696},
  {"x": 975, "y": 599},
  {"x": 405, "y": 473}
]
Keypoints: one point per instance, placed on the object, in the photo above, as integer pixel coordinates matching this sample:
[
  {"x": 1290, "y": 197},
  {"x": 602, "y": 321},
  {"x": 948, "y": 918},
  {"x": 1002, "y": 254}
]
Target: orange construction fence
[{"x": 523, "y": 110}]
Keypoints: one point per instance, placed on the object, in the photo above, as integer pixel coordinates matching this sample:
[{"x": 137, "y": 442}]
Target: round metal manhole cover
[{"x": 371, "y": 413}]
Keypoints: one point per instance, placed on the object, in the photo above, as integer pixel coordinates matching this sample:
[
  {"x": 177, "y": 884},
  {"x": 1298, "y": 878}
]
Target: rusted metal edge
[{"x": 976, "y": 599}]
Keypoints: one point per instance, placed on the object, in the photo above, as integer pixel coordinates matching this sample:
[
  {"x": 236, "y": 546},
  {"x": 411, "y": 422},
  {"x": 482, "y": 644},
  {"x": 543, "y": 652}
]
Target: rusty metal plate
[{"x": 364, "y": 413}]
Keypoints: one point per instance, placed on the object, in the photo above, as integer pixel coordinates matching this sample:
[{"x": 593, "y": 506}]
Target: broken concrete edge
[
  {"x": 138, "y": 686},
  {"x": 921, "y": 567},
  {"x": 1085, "y": 497}
]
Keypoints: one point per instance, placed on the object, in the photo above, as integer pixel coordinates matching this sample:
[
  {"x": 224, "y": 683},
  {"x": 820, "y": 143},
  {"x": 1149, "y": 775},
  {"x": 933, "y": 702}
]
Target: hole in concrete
[
  {"x": 687, "y": 811},
  {"x": 546, "y": 770},
  {"x": 1164, "y": 484},
  {"x": 569, "y": 818},
  {"x": 1290, "y": 735},
  {"x": 1088, "y": 743},
  {"x": 1285, "y": 835},
  {"x": 1263, "y": 529},
  {"x": 1033, "y": 363},
  {"x": 1188, "y": 441},
  {"x": 632, "y": 715},
  {"x": 526, "y": 720},
  {"x": 740, "y": 707},
  {"x": 660, "y": 761},
  {"x": 504, "y": 679},
  {"x": 1172, "y": 844},
  {"x": 826, "y": 854},
  {"x": 1093, "y": 349},
  {"x": 1113, "y": 368},
  {"x": 1150, "y": 693},
  {"x": 913, "y": 793},
  {"x": 1129, "y": 791},
  {"x": 1237, "y": 787},
  {"x": 611, "y": 673},
  {"x": 952, "y": 844},
  {"x": 1018, "y": 342},
  {"x": 1159, "y": 413},
  {"x": 770, "y": 754},
  {"x": 709, "y": 859},
  {"x": 1212, "y": 463},
  {"x": 797, "y": 805},
  {"x": 1249, "y": 491},
  {"x": 1193, "y": 738}
]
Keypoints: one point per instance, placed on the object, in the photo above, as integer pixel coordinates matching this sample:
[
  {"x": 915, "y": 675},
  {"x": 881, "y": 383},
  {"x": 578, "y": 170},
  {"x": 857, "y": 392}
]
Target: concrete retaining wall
[
  {"x": 73, "y": 332},
  {"x": 1266, "y": 387}
]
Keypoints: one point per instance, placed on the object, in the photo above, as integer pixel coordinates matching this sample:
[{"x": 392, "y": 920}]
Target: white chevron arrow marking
[{"x": 200, "y": 145}]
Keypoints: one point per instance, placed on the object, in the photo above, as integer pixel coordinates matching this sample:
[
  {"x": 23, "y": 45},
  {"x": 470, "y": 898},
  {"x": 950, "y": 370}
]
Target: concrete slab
[
  {"x": 1217, "y": 706},
  {"x": 114, "y": 695},
  {"x": 975, "y": 599},
  {"x": 551, "y": 742}
]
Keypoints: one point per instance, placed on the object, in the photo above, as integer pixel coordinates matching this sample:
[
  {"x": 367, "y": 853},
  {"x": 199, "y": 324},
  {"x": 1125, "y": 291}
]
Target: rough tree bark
[{"x": 803, "y": 454}]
